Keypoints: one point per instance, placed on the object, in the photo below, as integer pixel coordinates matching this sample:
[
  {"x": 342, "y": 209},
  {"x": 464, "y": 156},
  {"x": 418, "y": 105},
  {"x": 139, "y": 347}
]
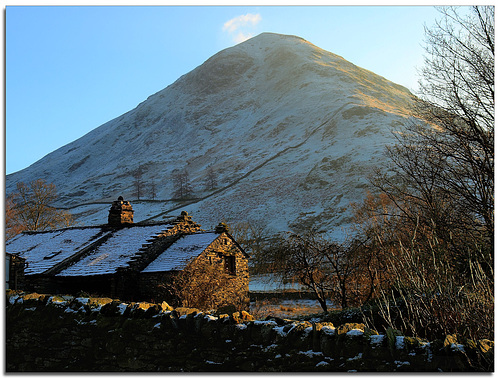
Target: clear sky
[{"x": 71, "y": 69}]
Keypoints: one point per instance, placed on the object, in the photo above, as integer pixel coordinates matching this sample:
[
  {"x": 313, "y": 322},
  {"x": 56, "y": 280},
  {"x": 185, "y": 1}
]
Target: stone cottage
[{"x": 126, "y": 260}]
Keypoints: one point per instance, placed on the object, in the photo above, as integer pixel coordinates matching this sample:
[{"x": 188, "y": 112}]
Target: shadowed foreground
[{"x": 48, "y": 333}]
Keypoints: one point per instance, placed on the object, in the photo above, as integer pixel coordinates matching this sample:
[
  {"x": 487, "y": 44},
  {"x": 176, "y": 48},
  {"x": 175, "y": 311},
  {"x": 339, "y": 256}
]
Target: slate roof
[
  {"x": 178, "y": 254},
  {"x": 115, "y": 252},
  {"x": 113, "y": 249},
  {"x": 43, "y": 250}
]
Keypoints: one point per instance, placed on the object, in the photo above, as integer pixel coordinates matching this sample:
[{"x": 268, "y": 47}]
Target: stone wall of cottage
[
  {"x": 50, "y": 334},
  {"x": 16, "y": 272},
  {"x": 223, "y": 247}
]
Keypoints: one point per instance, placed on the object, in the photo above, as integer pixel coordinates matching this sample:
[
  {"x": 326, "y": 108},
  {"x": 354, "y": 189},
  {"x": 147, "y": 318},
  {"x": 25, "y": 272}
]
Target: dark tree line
[{"x": 183, "y": 188}]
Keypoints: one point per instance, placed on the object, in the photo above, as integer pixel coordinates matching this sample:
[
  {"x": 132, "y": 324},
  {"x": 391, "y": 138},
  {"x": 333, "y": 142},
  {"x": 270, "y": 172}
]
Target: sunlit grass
[{"x": 283, "y": 308}]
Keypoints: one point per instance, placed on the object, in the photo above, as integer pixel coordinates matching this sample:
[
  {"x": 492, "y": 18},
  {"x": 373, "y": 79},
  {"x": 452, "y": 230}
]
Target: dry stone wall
[{"x": 51, "y": 334}]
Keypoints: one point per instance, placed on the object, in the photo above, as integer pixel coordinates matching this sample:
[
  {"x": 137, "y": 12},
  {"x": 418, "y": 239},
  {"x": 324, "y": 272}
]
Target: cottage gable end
[
  {"x": 226, "y": 253},
  {"x": 203, "y": 260}
]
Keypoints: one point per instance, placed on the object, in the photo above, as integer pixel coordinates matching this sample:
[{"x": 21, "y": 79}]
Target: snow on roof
[
  {"x": 43, "y": 250},
  {"x": 183, "y": 250},
  {"x": 115, "y": 253}
]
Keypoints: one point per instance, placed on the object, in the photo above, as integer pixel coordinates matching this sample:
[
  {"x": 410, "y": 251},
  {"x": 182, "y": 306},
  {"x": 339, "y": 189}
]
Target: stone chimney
[
  {"x": 120, "y": 213},
  {"x": 221, "y": 227}
]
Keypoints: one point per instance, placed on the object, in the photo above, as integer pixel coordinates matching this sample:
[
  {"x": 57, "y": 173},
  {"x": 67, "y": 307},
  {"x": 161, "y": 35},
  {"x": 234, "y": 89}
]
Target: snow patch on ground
[
  {"x": 457, "y": 347},
  {"x": 311, "y": 353},
  {"x": 82, "y": 301},
  {"x": 329, "y": 330},
  {"x": 355, "y": 332},
  {"x": 266, "y": 322},
  {"x": 357, "y": 357},
  {"x": 280, "y": 331},
  {"x": 121, "y": 308},
  {"x": 376, "y": 340},
  {"x": 401, "y": 363},
  {"x": 400, "y": 342}
]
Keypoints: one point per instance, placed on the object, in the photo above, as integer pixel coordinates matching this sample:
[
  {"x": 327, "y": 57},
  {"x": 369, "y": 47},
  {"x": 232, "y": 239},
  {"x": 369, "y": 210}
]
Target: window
[{"x": 230, "y": 265}]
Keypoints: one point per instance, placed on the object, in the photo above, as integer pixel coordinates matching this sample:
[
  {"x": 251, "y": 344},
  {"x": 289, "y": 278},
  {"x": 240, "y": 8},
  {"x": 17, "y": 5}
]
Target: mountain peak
[
  {"x": 269, "y": 38},
  {"x": 267, "y": 41}
]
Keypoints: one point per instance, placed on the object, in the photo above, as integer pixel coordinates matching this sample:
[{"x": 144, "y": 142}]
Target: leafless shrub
[
  {"x": 429, "y": 299},
  {"x": 206, "y": 287}
]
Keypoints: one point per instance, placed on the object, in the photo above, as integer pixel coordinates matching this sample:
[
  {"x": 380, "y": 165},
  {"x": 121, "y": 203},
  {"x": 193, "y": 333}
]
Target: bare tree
[
  {"x": 302, "y": 259},
  {"x": 330, "y": 270},
  {"x": 377, "y": 221},
  {"x": 153, "y": 189},
  {"x": 182, "y": 184},
  {"x": 253, "y": 236},
  {"x": 13, "y": 224},
  {"x": 138, "y": 181},
  {"x": 210, "y": 179},
  {"x": 444, "y": 167},
  {"x": 439, "y": 233},
  {"x": 458, "y": 73},
  {"x": 457, "y": 87},
  {"x": 29, "y": 209}
]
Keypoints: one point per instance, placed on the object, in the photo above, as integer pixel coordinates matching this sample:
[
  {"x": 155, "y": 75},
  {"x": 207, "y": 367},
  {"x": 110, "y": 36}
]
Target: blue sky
[{"x": 71, "y": 69}]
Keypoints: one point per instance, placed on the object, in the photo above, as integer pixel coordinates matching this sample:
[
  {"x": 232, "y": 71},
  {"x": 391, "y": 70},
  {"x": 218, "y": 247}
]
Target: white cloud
[
  {"x": 241, "y": 21},
  {"x": 234, "y": 26}
]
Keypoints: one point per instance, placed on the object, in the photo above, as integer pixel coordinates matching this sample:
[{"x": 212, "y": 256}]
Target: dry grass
[{"x": 261, "y": 309}]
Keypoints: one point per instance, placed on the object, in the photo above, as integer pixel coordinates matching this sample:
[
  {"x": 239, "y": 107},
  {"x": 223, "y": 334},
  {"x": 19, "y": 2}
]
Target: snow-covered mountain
[{"x": 291, "y": 132}]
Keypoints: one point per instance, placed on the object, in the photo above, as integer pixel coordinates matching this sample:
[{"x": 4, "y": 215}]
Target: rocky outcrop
[{"x": 51, "y": 333}]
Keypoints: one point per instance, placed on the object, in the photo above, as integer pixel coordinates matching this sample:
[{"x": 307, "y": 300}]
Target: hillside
[{"x": 290, "y": 130}]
